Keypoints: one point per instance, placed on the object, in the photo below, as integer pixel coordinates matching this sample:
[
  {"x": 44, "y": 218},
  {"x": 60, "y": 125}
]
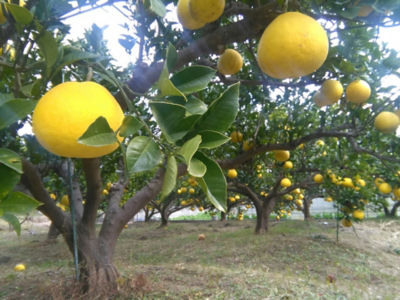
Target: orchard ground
[{"x": 295, "y": 260}]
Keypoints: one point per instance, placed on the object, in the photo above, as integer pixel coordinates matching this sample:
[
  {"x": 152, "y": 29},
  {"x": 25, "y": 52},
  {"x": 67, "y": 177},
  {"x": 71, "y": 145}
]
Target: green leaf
[
  {"x": 193, "y": 79},
  {"x": 195, "y": 167},
  {"x": 166, "y": 86},
  {"x": 49, "y": 48},
  {"x": 142, "y": 154},
  {"x": 98, "y": 134},
  {"x": 13, "y": 221},
  {"x": 15, "y": 110},
  {"x": 11, "y": 160},
  {"x": 20, "y": 14},
  {"x": 195, "y": 106},
  {"x": 157, "y": 7},
  {"x": 8, "y": 179},
  {"x": 171, "y": 119},
  {"x": 170, "y": 177},
  {"x": 172, "y": 56},
  {"x": 18, "y": 203},
  {"x": 72, "y": 55},
  {"x": 130, "y": 126},
  {"x": 222, "y": 112},
  {"x": 213, "y": 182},
  {"x": 212, "y": 139}
]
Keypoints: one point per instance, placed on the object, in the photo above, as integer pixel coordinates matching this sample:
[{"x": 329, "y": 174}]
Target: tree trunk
[
  {"x": 164, "y": 218},
  {"x": 306, "y": 209},
  {"x": 53, "y": 232},
  {"x": 97, "y": 273},
  {"x": 393, "y": 211},
  {"x": 223, "y": 216},
  {"x": 263, "y": 212}
]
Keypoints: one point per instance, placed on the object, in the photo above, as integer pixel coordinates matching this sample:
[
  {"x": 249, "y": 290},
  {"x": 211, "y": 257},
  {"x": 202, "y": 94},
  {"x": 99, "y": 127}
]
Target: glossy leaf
[
  {"x": 172, "y": 56},
  {"x": 11, "y": 159},
  {"x": 166, "y": 86},
  {"x": 157, "y": 7},
  {"x": 18, "y": 203},
  {"x": 193, "y": 79},
  {"x": 222, "y": 112},
  {"x": 171, "y": 172},
  {"x": 142, "y": 154},
  {"x": 8, "y": 179},
  {"x": 98, "y": 134},
  {"x": 20, "y": 14},
  {"x": 212, "y": 139},
  {"x": 15, "y": 110},
  {"x": 195, "y": 167},
  {"x": 130, "y": 126},
  {"x": 172, "y": 120},
  {"x": 213, "y": 182},
  {"x": 13, "y": 221},
  {"x": 49, "y": 48}
]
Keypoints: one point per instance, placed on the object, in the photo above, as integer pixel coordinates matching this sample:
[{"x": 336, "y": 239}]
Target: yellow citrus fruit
[
  {"x": 396, "y": 193},
  {"x": 9, "y": 50},
  {"x": 19, "y": 267},
  {"x": 236, "y": 137},
  {"x": 230, "y": 62},
  {"x": 320, "y": 100},
  {"x": 292, "y": 45},
  {"x": 347, "y": 182},
  {"x": 259, "y": 175},
  {"x": 105, "y": 192},
  {"x": 53, "y": 196},
  {"x": 299, "y": 202},
  {"x": 301, "y": 196},
  {"x": 361, "y": 182},
  {"x": 386, "y": 122},
  {"x": 206, "y": 11},
  {"x": 64, "y": 200},
  {"x": 378, "y": 181},
  {"x": 277, "y": 218},
  {"x": 65, "y": 112},
  {"x": 332, "y": 90},
  {"x": 328, "y": 199},
  {"x": 237, "y": 197},
  {"x": 232, "y": 199},
  {"x": 281, "y": 155},
  {"x": 183, "y": 189},
  {"x": 185, "y": 18},
  {"x": 385, "y": 188},
  {"x": 358, "y": 91},
  {"x": 285, "y": 182},
  {"x": 346, "y": 223},
  {"x": 288, "y": 164},
  {"x": 318, "y": 178},
  {"x": 247, "y": 145},
  {"x": 232, "y": 173},
  {"x": 191, "y": 191},
  {"x": 358, "y": 214},
  {"x": 296, "y": 191},
  {"x": 301, "y": 146},
  {"x": 320, "y": 143}
]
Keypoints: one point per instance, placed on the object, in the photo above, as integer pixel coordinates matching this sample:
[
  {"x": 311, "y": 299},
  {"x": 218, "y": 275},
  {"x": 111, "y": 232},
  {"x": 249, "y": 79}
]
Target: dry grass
[{"x": 295, "y": 260}]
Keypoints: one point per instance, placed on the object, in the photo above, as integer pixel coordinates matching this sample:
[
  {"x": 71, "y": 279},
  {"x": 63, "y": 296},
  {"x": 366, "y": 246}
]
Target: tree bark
[
  {"x": 223, "y": 216},
  {"x": 393, "y": 211},
  {"x": 306, "y": 209},
  {"x": 164, "y": 217},
  {"x": 264, "y": 210},
  {"x": 53, "y": 232}
]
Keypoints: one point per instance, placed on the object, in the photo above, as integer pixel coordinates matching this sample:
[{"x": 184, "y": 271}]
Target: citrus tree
[{"x": 173, "y": 115}]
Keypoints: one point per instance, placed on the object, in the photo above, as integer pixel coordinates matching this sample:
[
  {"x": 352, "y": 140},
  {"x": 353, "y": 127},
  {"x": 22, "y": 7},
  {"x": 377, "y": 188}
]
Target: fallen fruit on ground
[
  {"x": 293, "y": 45},
  {"x": 386, "y": 122},
  {"x": 230, "y": 62},
  {"x": 66, "y": 111},
  {"x": 358, "y": 91},
  {"x": 201, "y": 237},
  {"x": 19, "y": 268}
]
